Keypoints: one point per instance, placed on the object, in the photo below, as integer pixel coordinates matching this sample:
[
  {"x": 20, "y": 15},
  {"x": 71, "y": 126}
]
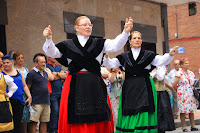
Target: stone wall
[{"x": 28, "y": 18}]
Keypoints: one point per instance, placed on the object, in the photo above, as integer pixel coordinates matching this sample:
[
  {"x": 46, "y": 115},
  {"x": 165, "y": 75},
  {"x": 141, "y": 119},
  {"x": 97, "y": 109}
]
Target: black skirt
[
  {"x": 87, "y": 100},
  {"x": 165, "y": 117}
]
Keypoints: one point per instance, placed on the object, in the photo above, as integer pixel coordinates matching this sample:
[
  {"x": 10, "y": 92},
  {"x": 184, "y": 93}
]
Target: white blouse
[
  {"x": 12, "y": 87},
  {"x": 110, "y": 45},
  {"x": 159, "y": 73},
  {"x": 159, "y": 60}
]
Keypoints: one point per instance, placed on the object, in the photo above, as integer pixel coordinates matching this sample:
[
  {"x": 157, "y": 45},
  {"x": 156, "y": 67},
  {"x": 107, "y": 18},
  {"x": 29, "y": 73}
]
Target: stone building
[{"x": 22, "y": 22}]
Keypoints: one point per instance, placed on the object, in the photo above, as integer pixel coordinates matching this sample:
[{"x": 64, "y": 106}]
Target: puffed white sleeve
[
  {"x": 12, "y": 87},
  {"x": 111, "y": 63},
  {"x": 160, "y": 73},
  {"x": 50, "y": 49},
  {"x": 161, "y": 60},
  {"x": 113, "y": 45}
]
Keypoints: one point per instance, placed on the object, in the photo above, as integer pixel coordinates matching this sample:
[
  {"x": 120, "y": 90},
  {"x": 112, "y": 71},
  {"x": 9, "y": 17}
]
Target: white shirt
[
  {"x": 159, "y": 60},
  {"x": 110, "y": 45},
  {"x": 12, "y": 87},
  {"x": 159, "y": 73}
]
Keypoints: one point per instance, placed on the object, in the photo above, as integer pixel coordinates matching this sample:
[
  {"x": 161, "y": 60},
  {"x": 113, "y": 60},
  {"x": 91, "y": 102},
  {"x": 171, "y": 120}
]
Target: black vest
[
  {"x": 137, "y": 95},
  {"x": 87, "y": 100},
  {"x": 82, "y": 57}
]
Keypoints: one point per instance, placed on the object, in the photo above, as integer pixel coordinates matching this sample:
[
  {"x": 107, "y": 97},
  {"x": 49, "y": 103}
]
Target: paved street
[
  {"x": 179, "y": 130},
  {"x": 178, "y": 124}
]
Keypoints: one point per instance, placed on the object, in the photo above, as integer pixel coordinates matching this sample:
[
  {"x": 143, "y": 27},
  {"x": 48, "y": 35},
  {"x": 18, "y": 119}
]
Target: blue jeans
[{"x": 54, "y": 116}]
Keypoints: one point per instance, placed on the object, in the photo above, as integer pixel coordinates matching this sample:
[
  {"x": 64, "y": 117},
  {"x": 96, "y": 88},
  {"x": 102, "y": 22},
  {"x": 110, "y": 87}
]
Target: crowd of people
[{"x": 132, "y": 92}]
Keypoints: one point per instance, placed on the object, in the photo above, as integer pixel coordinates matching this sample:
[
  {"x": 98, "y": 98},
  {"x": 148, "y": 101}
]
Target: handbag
[
  {"x": 196, "y": 93},
  {"x": 5, "y": 114}
]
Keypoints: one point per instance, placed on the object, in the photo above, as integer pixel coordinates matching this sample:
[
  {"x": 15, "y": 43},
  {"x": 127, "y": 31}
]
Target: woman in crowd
[
  {"x": 168, "y": 84},
  {"x": 183, "y": 83},
  {"x": 17, "y": 101},
  {"x": 165, "y": 116},
  {"x": 6, "y": 121},
  {"x": 116, "y": 77},
  {"x": 138, "y": 101},
  {"x": 85, "y": 106},
  {"x": 18, "y": 65}
]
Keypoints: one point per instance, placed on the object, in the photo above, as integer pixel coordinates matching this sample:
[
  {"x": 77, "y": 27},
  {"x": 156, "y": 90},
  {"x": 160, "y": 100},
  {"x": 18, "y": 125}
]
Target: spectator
[
  {"x": 168, "y": 84},
  {"x": 183, "y": 84},
  {"x": 18, "y": 65},
  {"x": 165, "y": 117},
  {"x": 37, "y": 82},
  {"x": 116, "y": 77},
  {"x": 17, "y": 101},
  {"x": 174, "y": 93},
  {"x": 55, "y": 96},
  {"x": 6, "y": 121}
]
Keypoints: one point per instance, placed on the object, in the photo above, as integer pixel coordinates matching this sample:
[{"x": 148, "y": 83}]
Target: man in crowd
[
  {"x": 174, "y": 93},
  {"x": 55, "y": 96},
  {"x": 37, "y": 82}
]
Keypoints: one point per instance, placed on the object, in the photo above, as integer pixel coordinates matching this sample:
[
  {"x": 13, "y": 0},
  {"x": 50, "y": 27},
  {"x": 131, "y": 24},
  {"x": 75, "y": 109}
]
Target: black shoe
[
  {"x": 185, "y": 130},
  {"x": 194, "y": 129}
]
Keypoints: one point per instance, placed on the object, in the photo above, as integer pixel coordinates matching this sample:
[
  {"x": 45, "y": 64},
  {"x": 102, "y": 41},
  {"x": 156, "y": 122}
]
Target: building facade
[
  {"x": 26, "y": 20},
  {"x": 184, "y": 29}
]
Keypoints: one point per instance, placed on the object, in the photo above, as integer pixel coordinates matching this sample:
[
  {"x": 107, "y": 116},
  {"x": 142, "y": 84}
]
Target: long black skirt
[{"x": 165, "y": 117}]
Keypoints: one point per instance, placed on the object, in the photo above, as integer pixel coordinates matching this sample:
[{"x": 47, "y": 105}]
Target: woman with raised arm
[
  {"x": 138, "y": 102},
  {"x": 85, "y": 106}
]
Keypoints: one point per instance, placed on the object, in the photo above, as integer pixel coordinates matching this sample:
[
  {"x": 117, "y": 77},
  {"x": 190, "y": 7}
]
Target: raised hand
[
  {"x": 128, "y": 25},
  {"x": 47, "y": 32},
  {"x": 174, "y": 51}
]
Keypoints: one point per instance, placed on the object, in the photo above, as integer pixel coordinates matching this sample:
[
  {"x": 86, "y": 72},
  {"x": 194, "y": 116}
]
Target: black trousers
[{"x": 17, "y": 108}]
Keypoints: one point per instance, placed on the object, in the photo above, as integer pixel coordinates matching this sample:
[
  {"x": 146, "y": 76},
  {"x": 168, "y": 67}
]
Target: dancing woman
[
  {"x": 138, "y": 101},
  {"x": 85, "y": 105}
]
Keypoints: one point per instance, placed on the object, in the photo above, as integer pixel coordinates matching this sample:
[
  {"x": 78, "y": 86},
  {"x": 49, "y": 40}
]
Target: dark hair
[
  {"x": 16, "y": 54},
  {"x": 7, "y": 57},
  {"x": 130, "y": 37},
  {"x": 35, "y": 58}
]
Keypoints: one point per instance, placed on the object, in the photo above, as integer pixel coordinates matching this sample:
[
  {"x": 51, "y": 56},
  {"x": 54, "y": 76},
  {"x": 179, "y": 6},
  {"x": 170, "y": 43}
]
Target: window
[{"x": 192, "y": 9}]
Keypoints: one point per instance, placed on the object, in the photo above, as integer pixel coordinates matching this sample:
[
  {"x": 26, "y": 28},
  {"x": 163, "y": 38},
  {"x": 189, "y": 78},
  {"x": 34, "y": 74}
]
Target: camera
[{"x": 119, "y": 76}]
